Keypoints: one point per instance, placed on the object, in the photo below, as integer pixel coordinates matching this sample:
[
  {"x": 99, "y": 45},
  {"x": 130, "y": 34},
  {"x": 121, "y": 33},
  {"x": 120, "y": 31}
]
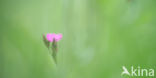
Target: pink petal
[
  {"x": 58, "y": 37},
  {"x": 50, "y": 37}
]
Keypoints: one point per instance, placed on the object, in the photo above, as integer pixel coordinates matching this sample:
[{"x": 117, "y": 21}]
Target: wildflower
[{"x": 52, "y": 38}]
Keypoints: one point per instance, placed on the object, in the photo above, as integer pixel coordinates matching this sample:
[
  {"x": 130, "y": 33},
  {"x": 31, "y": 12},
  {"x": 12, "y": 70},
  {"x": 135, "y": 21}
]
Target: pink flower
[{"x": 50, "y": 37}]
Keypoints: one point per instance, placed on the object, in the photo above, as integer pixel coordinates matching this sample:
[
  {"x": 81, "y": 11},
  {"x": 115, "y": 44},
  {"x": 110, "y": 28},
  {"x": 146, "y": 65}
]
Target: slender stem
[
  {"x": 54, "y": 57},
  {"x": 54, "y": 49}
]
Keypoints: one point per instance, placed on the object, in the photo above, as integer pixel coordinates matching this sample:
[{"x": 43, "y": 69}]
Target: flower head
[{"x": 51, "y": 37}]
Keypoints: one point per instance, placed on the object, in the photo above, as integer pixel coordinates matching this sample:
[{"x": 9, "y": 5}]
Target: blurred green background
[{"x": 99, "y": 37}]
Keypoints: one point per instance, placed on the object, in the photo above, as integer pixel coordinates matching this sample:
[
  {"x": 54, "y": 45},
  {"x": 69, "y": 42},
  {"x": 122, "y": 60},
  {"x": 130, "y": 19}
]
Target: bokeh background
[{"x": 99, "y": 37}]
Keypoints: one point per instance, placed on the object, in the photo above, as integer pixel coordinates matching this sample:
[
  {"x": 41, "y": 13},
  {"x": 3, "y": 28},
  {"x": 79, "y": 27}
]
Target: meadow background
[{"x": 99, "y": 37}]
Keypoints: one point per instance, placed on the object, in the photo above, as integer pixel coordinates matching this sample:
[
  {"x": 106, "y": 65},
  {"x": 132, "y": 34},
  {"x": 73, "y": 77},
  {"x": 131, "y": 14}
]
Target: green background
[{"x": 99, "y": 37}]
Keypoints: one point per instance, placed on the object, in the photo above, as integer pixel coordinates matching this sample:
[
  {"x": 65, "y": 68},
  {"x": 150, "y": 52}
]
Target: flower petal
[
  {"x": 58, "y": 37},
  {"x": 50, "y": 37}
]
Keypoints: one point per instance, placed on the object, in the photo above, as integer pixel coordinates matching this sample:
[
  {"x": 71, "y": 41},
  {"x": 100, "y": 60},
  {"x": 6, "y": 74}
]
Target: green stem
[{"x": 54, "y": 49}]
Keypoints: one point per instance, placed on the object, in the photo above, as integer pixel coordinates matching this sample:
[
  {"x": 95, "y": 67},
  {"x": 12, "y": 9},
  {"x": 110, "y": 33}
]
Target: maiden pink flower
[
  {"x": 57, "y": 37},
  {"x": 54, "y": 38}
]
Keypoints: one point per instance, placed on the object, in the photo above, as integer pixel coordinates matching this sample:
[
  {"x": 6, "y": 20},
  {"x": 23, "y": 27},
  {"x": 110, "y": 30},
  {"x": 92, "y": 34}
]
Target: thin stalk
[{"x": 54, "y": 49}]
